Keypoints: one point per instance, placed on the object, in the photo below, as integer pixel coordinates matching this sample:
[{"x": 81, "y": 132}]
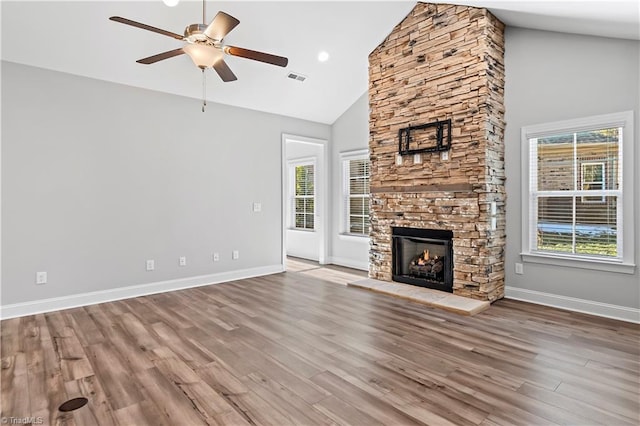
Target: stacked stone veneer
[{"x": 441, "y": 62}]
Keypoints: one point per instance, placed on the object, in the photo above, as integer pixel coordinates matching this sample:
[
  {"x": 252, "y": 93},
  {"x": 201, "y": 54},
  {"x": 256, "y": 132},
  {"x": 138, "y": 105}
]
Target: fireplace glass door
[{"x": 423, "y": 257}]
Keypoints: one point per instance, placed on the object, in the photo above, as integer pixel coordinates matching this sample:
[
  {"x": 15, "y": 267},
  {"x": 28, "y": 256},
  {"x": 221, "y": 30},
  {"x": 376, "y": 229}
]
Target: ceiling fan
[{"x": 204, "y": 45}]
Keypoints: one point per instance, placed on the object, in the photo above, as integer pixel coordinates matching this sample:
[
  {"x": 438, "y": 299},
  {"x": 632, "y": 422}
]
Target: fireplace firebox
[{"x": 423, "y": 257}]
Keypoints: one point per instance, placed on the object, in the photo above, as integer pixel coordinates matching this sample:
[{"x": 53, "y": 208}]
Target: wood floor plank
[
  {"x": 98, "y": 410},
  {"x": 116, "y": 378},
  {"x": 221, "y": 379},
  {"x": 141, "y": 414},
  {"x": 134, "y": 415},
  {"x": 256, "y": 411},
  {"x": 624, "y": 406},
  {"x": 296, "y": 349},
  {"x": 287, "y": 401},
  {"x": 186, "y": 350},
  {"x": 353, "y": 395},
  {"x": 271, "y": 368},
  {"x": 343, "y": 413},
  {"x": 593, "y": 413},
  {"x": 16, "y": 402},
  {"x": 87, "y": 331},
  {"x": 173, "y": 403},
  {"x": 46, "y": 385},
  {"x": 299, "y": 365},
  {"x": 73, "y": 360},
  {"x": 492, "y": 392}
]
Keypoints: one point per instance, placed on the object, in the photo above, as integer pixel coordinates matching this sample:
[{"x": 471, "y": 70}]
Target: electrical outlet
[
  {"x": 519, "y": 268},
  {"x": 151, "y": 265},
  {"x": 444, "y": 155},
  {"x": 398, "y": 160},
  {"x": 257, "y": 207},
  {"x": 216, "y": 257},
  {"x": 182, "y": 261},
  {"x": 417, "y": 159},
  {"x": 235, "y": 255},
  {"x": 41, "y": 277}
]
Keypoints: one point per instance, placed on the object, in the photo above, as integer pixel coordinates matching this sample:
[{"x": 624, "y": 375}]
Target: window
[
  {"x": 592, "y": 179},
  {"x": 356, "y": 193},
  {"x": 304, "y": 196},
  {"x": 579, "y": 199}
]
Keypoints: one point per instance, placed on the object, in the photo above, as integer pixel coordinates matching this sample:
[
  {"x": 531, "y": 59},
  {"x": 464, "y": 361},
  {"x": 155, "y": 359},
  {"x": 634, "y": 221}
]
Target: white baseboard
[
  {"x": 349, "y": 263},
  {"x": 84, "y": 299},
  {"x": 622, "y": 313}
]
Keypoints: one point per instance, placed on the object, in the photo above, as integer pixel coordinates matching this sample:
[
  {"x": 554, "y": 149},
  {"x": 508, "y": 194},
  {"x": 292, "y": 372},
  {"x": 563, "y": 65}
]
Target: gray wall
[
  {"x": 551, "y": 77},
  {"x": 349, "y": 132},
  {"x": 98, "y": 177}
]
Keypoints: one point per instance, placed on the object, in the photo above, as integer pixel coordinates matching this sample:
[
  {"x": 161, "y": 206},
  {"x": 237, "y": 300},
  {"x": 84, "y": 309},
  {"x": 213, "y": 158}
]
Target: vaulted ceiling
[{"x": 77, "y": 38}]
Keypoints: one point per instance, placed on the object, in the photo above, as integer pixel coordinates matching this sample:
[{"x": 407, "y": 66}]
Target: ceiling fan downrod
[{"x": 204, "y": 78}]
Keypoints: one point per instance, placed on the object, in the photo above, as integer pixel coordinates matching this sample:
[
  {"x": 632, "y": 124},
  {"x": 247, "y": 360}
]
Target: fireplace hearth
[{"x": 423, "y": 257}]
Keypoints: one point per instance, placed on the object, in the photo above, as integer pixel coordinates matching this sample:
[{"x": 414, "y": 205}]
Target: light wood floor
[{"x": 294, "y": 349}]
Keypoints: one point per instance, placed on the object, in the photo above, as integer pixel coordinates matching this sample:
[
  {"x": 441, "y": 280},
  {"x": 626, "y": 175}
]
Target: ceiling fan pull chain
[{"x": 204, "y": 90}]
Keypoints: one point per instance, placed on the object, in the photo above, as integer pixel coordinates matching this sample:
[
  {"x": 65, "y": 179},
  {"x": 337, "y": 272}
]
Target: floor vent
[
  {"x": 73, "y": 404},
  {"x": 297, "y": 77}
]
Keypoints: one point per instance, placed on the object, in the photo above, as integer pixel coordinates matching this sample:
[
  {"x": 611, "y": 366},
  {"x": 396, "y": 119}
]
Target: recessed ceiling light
[
  {"x": 323, "y": 56},
  {"x": 171, "y": 3}
]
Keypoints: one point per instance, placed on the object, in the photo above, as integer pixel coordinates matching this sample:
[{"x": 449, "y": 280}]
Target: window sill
[
  {"x": 301, "y": 230},
  {"x": 583, "y": 263},
  {"x": 353, "y": 237}
]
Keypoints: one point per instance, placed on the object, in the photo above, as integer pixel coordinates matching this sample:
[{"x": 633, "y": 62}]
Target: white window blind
[
  {"x": 355, "y": 191},
  {"x": 356, "y": 173},
  {"x": 304, "y": 197},
  {"x": 576, "y": 193}
]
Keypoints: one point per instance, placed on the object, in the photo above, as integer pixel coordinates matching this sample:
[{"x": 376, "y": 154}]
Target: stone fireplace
[{"x": 442, "y": 62}]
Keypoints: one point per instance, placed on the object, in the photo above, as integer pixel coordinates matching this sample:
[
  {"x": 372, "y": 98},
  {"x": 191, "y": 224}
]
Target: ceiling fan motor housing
[{"x": 194, "y": 33}]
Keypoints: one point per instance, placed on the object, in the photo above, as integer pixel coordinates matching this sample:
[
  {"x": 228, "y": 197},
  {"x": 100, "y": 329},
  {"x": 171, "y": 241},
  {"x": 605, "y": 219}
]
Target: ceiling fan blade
[
  {"x": 146, "y": 27},
  {"x": 224, "y": 71},
  {"x": 221, "y": 25},
  {"x": 160, "y": 56},
  {"x": 257, "y": 56}
]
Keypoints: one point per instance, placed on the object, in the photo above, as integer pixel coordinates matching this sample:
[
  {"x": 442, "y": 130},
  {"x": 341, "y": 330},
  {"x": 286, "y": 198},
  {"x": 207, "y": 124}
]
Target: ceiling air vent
[{"x": 297, "y": 77}]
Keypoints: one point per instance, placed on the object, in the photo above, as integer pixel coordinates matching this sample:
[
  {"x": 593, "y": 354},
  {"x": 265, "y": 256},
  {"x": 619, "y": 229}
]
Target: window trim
[
  {"x": 625, "y": 264},
  {"x": 292, "y": 164},
  {"x": 345, "y": 157}
]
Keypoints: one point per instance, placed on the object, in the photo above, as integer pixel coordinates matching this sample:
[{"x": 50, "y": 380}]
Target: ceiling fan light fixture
[
  {"x": 202, "y": 55},
  {"x": 171, "y": 3}
]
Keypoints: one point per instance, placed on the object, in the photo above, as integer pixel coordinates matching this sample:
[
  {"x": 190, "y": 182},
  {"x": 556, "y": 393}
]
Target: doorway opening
[{"x": 304, "y": 206}]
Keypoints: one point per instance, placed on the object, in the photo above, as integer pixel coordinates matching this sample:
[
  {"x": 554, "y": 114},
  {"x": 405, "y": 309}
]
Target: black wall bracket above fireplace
[{"x": 409, "y": 144}]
